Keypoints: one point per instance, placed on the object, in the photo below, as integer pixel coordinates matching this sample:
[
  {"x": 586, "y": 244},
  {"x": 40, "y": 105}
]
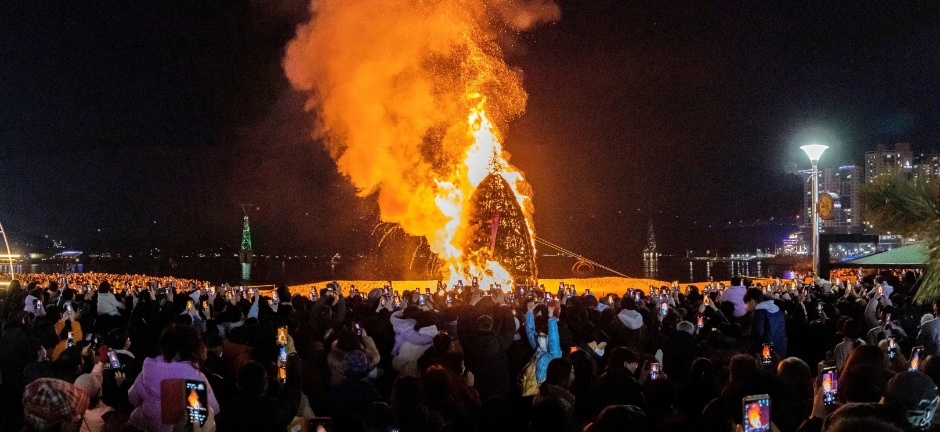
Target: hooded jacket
[
  {"x": 406, "y": 361},
  {"x": 628, "y": 330},
  {"x": 770, "y": 326}
]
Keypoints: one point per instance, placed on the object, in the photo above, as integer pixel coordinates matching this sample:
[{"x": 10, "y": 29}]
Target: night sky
[{"x": 153, "y": 121}]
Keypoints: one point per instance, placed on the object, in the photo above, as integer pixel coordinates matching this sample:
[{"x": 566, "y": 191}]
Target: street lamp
[{"x": 815, "y": 151}]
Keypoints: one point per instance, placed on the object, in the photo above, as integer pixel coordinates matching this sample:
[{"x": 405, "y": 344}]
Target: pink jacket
[{"x": 145, "y": 393}]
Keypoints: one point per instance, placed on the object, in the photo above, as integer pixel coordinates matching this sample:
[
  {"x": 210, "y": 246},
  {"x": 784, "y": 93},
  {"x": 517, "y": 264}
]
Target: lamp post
[{"x": 815, "y": 151}]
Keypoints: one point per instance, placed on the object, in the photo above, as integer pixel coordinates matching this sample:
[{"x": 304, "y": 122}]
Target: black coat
[{"x": 486, "y": 354}]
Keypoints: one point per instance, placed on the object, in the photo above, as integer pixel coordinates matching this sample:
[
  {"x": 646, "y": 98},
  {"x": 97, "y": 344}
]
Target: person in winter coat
[
  {"x": 543, "y": 339},
  {"x": 558, "y": 380},
  {"x": 485, "y": 340},
  {"x": 182, "y": 349},
  {"x": 627, "y": 328},
  {"x": 347, "y": 341},
  {"x": 413, "y": 336},
  {"x": 680, "y": 351},
  {"x": 768, "y": 325},
  {"x": 735, "y": 295},
  {"x": 618, "y": 386}
]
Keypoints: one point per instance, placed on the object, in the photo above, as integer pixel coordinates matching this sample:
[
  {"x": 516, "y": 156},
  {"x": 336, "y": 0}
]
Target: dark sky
[{"x": 152, "y": 120}]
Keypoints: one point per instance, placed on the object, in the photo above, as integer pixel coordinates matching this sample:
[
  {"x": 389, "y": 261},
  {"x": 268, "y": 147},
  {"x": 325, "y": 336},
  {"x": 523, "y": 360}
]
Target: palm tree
[{"x": 897, "y": 204}]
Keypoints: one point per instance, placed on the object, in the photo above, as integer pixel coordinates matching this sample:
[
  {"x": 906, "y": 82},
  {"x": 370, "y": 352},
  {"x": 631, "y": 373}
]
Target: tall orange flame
[{"x": 409, "y": 96}]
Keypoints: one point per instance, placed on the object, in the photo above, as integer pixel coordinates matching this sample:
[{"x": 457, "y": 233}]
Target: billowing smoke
[{"x": 392, "y": 82}]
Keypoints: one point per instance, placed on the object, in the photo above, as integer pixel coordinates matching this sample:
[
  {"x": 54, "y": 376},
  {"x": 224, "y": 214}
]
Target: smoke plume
[{"x": 392, "y": 83}]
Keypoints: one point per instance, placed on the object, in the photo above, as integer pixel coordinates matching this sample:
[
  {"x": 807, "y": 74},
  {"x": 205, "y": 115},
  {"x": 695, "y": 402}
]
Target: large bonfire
[{"x": 410, "y": 96}]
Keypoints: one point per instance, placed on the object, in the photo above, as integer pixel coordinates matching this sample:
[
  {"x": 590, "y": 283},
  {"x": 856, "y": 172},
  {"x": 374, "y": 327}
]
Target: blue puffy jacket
[
  {"x": 542, "y": 358},
  {"x": 768, "y": 325}
]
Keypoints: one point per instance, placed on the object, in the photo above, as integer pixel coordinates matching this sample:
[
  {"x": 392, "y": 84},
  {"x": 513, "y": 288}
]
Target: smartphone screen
[
  {"x": 830, "y": 385},
  {"x": 282, "y": 356},
  {"x": 396, "y": 301},
  {"x": 197, "y": 402},
  {"x": 189, "y": 305},
  {"x": 205, "y": 305},
  {"x": 765, "y": 354},
  {"x": 892, "y": 348},
  {"x": 701, "y": 321},
  {"x": 756, "y": 413},
  {"x": 819, "y": 308},
  {"x": 449, "y": 298},
  {"x": 282, "y": 373},
  {"x": 427, "y": 291},
  {"x": 663, "y": 308},
  {"x": 421, "y": 299},
  {"x": 654, "y": 370},
  {"x": 71, "y": 339},
  {"x": 113, "y": 361},
  {"x": 358, "y": 329},
  {"x": 282, "y": 336},
  {"x": 68, "y": 308},
  {"x": 916, "y": 354}
]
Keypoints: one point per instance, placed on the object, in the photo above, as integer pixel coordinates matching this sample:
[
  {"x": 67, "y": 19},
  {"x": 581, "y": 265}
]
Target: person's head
[
  {"x": 252, "y": 379},
  {"x": 52, "y": 404},
  {"x": 584, "y": 366},
  {"x": 104, "y": 287},
  {"x": 913, "y": 397},
  {"x": 862, "y": 383},
  {"x": 118, "y": 339},
  {"x": 92, "y": 385},
  {"x": 442, "y": 343},
  {"x": 347, "y": 340},
  {"x": 614, "y": 417},
  {"x": 851, "y": 329},
  {"x": 598, "y": 342},
  {"x": 484, "y": 324},
  {"x": 936, "y": 307},
  {"x": 702, "y": 370},
  {"x": 735, "y": 281},
  {"x": 796, "y": 373},
  {"x": 560, "y": 373},
  {"x": 181, "y": 343},
  {"x": 623, "y": 358},
  {"x": 753, "y": 297},
  {"x": 858, "y": 417},
  {"x": 356, "y": 365},
  {"x": 435, "y": 383},
  {"x": 866, "y": 354},
  {"x": 742, "y": 368},
  {"x": 685, "y": 326}
]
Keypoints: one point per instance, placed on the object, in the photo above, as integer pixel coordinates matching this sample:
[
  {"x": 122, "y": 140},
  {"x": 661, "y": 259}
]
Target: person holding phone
[
  {"x": 542, "y": 334},
  {"x": 255, "y": 408},
  {"x": 68, "y": 323},
  {"x": 768, "y": 324},
  {"x": 181, "y": 351},
  {"x": 414, "y": 334}
]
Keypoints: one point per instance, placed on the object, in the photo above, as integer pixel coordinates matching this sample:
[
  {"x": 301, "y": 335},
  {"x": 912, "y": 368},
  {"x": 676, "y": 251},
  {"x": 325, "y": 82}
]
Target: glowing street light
[{"x": 815, "y": 151}]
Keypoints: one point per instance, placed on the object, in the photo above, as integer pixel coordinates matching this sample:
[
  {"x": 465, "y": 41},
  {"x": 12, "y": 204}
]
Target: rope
[{"x": 581, "y": 257}]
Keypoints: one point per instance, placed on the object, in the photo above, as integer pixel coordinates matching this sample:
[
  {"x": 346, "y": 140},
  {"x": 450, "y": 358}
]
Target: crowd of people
[{"x": 131, "y": 353}]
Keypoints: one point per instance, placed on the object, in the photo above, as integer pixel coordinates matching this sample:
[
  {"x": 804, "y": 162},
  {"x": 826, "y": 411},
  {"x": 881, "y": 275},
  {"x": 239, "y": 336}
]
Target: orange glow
[
  {"x": 193, "y": 399},
  {"x": 754, "y": 416},
  {"x": 410, "y": 97}
]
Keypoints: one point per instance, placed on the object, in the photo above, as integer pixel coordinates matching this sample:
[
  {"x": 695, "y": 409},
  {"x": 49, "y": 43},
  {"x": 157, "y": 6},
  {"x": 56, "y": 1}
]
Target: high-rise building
[
  {"x": 926, "y": 167},
  {"x": 884, "y": 160},
  {"x": 845, "y": 182}
]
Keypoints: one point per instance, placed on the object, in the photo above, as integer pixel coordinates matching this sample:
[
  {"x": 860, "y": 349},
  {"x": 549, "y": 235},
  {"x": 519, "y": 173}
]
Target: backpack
[{"x": 528, "y": 383}]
